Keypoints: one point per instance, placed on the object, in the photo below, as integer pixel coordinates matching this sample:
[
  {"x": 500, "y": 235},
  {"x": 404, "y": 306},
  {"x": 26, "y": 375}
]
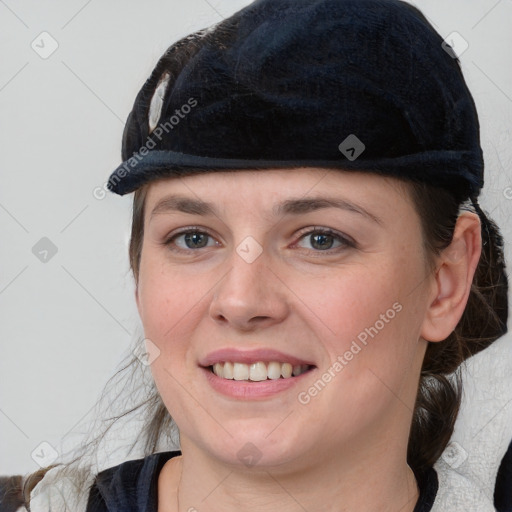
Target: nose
[{"x": 251, "y": 295}]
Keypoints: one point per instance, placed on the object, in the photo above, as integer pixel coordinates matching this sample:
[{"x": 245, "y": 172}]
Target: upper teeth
[{"x": 257, "y": 371}]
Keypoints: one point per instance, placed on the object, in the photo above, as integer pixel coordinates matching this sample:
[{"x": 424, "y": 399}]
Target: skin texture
[{"x": 345, "y": 449}]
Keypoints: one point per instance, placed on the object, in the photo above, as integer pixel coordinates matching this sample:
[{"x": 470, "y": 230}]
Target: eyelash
[{"x": 346, "y": 243}]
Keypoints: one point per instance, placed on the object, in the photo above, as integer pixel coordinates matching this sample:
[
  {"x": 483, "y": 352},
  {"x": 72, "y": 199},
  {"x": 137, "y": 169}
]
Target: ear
[{"x": 454, "y": 275}]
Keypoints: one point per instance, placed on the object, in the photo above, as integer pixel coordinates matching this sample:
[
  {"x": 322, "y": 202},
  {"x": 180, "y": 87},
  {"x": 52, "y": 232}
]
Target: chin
[{"x": 255, "y": 448}]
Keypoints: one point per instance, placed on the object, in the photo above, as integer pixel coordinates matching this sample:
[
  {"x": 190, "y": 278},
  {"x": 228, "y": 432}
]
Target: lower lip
[{"x": 250, "y": 390}]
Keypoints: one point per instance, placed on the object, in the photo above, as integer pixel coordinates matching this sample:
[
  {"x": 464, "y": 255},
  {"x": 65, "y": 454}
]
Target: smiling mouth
[{"x": 257, "y": 372}]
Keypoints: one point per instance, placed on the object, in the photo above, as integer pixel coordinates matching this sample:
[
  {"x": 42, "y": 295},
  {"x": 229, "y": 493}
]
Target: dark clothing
[
  {"x": 133, "y": 486},
  {"x": 129, "y": 487},
  {"x": 503, "y": 489}
]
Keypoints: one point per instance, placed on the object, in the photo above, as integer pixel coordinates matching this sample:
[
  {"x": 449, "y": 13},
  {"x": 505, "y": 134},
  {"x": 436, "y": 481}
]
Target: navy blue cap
[{"x": 347, "y": 84}]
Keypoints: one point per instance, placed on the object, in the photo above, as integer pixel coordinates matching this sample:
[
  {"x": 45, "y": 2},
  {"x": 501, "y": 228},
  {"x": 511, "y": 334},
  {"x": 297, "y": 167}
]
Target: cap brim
[{"x": 437, "y": 167}]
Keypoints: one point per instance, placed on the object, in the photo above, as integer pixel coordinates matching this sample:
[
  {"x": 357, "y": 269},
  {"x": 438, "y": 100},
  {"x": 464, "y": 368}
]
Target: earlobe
[{"x": 454, "y": 275}]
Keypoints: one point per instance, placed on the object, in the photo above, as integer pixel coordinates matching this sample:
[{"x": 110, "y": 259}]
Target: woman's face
[{"x": 273, "y": 276}]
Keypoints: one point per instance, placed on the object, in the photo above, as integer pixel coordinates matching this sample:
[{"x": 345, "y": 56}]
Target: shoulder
[
  {"x": 130, "y": 471},
  {"x": 129, "y": 486},
  {"x": 474, "y": 469}
]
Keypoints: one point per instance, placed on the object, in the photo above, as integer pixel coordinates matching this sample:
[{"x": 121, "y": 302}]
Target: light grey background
[{"x": 66, "y": 323}]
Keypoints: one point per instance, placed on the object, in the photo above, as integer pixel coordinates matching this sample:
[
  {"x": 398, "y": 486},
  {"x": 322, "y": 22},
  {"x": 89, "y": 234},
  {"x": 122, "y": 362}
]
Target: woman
[{"x": 304, "y": 315}]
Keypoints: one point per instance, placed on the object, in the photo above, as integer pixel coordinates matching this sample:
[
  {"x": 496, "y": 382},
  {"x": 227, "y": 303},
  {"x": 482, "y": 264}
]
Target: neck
[{"x": 384, "y": 484}]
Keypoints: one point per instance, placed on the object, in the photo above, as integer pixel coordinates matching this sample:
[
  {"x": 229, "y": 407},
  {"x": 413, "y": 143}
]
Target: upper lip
[{"x": 250, "y": 356}]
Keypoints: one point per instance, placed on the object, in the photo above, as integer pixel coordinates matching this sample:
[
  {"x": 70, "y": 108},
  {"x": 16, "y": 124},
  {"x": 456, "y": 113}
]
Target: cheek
[
  {"x": 369, "y": 322},
  {"x": 167, "y": 297},
  {"x": 352, "y": 300},
  {"x": 170, "y": 311}
]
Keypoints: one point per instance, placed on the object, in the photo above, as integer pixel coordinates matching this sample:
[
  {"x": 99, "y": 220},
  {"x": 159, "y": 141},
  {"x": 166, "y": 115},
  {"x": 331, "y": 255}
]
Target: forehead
[
  {"x": 277, "y": 191},
  {"x": 268, "y": 179}
]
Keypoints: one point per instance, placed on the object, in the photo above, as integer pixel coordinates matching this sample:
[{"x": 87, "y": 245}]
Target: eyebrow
[{"x": 177, "y": 203}]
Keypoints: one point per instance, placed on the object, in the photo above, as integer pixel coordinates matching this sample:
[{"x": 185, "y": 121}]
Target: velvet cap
[{"x": 349, "y": 84}]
